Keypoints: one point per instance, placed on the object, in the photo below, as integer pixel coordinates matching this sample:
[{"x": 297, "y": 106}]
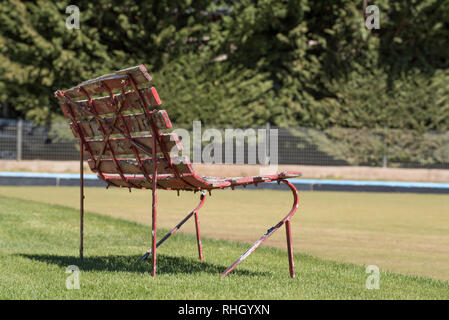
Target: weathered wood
[
  {"x": 131, "y": 166},
  {"x": 114, "y": 81},
  {"x": 164, "y": 181},
  {"x": 161, "y": 119},
  {"x": 123, "y": 146},
  {"x": 134, "y": 123},
  {"x": 104, "y": 105}
]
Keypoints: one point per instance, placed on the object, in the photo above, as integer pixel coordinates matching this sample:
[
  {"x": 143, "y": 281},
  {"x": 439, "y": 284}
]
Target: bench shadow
[{"x": 129, "y": 263}]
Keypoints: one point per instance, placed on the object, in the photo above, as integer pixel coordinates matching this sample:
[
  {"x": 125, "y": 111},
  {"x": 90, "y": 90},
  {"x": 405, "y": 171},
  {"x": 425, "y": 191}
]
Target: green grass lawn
[
  {"x": 399, "y": 232},
  {"x": 38, "y": 241}
]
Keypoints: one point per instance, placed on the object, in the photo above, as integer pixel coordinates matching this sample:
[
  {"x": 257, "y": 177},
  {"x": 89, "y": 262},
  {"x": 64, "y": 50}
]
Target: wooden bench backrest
[{"x": 116, "y": 129}]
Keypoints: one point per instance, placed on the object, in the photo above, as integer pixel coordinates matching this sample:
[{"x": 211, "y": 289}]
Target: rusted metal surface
[
  {"x": 198, "y": 237},
  {"x": 270, "y": 232},
  {"x": 81, "y": 203},
  {"x": 288, "y": 232},
  {"x": 140, "y": 157},
  {"x": 154, "y": 203},
  {"x": 180, "y": 224}
]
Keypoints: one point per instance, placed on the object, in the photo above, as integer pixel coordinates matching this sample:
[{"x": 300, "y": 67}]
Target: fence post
[
  {"x": 384, "y": 159},
  {"x": 267, "y": 144},
  {"x": 19, "y": 139}
]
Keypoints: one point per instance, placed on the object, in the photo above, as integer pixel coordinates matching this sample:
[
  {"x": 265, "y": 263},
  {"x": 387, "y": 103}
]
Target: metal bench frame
[{"x": 91, "y": 118}]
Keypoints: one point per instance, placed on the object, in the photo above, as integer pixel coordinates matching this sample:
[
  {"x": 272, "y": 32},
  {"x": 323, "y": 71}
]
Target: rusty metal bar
[
  {"x": 154, "y": 204},
  {"x": 81, "y": 200},
  {"x": 270, "y": 232},
  {"x": 179, "y": 225},
  {"x": 198, "y": 237},
  {"x": 291, "y": 264}
]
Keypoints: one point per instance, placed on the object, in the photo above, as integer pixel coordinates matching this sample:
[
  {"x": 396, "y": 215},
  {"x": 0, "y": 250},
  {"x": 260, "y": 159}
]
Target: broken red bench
[{"x": 142, "y": 160}]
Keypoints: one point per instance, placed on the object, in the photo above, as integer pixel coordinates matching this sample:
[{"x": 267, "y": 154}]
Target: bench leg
[
  {"x": 81, "y": 202},
  {"x": 198, "y": 237},
  {"x": 291, "y": 264},
  {"x": 153, "y": 237},
  {"x": 285, "y": 220},
  {"x": 179, "y": 225},
  {"x": 154, "y": 204}
]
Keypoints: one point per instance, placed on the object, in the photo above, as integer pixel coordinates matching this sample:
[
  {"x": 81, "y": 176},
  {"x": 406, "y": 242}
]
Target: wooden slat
[
  {"x": 134, "y": 122},
  {"x": 131, "y": 166},
  {"x": 203, "y": 183},
  {"x": 161, "y": 119},
  {"x": 142, "y": 182},
  {"x": 122, "y": 146},
  {"x": 113, "y": 81},
  {"x": 178, "y": 184},
  {"x": 104, "y": 105},
  {"x": 163, "y": 181}
]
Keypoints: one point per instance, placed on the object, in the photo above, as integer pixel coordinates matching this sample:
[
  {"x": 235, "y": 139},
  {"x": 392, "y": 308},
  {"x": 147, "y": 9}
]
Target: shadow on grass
[{"x": 165, "y": 264}]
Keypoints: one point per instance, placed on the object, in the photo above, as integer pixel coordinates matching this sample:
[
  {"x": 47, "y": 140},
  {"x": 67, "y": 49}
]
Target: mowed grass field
[
  {"x": 404, "y": 233},
  {"x": 39, "y": 240}
]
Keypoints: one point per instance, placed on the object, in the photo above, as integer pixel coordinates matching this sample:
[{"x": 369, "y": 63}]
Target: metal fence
[{"x": 21, "y": 140}]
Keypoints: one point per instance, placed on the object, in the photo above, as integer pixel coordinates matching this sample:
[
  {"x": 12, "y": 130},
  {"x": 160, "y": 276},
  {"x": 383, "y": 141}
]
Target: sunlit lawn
[
  {"x": 39, "y": 241},
  {"x": 406, "y": 233}
]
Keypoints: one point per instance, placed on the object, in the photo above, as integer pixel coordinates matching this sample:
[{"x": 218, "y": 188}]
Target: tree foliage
[{"x": 239, "y": 63}]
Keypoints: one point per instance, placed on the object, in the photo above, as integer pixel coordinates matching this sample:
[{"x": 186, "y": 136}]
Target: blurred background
[{"x": 340, "y": 94}]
